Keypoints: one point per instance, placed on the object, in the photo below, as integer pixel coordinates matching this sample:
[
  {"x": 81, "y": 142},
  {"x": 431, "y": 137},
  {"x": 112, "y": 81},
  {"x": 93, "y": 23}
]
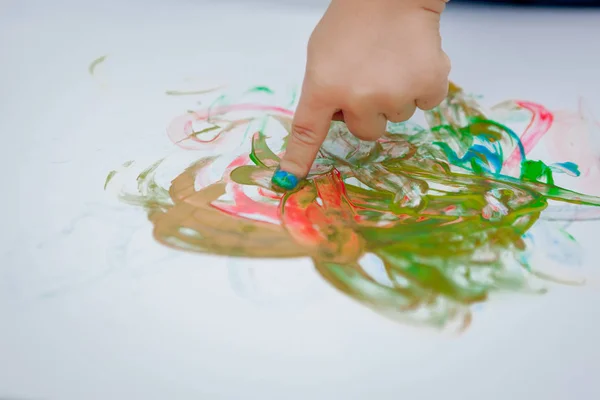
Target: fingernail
[{"x": 284, "y": 180}]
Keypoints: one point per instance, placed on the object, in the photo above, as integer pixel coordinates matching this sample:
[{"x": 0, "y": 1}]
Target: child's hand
[{"x": 368, "y": 61}]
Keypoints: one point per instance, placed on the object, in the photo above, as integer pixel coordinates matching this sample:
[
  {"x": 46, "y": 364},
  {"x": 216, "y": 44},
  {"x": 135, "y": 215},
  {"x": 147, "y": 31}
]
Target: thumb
[{"x": 309, "y": 130}]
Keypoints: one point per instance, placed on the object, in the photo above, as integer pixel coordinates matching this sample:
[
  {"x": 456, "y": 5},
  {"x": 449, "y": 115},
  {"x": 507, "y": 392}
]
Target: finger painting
[{"x": 419, "y": 226}]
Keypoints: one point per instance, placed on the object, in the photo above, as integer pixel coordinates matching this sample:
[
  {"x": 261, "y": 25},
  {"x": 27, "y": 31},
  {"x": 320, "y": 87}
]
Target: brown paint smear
[{"x": 214, "y": 231}]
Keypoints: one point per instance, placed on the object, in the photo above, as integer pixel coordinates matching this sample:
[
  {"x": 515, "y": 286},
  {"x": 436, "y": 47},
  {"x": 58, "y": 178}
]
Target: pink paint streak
[
  {"x": 242, "y": 203},
  {"x": 181, "y": 131},
  {"x": 540, "y": 123}
]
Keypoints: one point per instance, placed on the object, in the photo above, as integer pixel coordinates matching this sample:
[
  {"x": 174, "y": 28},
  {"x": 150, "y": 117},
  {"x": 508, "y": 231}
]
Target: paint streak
[
  {"x": 96, "y": 63},
  {"x": 538, "y": 126},
  {"x": 182, "y": 133},
  {"x": 191, "y": 92},
  {"x": 575, "y": 134},
  {"x": 260, "y": 89},
  {"x": 439, "y": 209},
  {"x": 109, "y": 177}
]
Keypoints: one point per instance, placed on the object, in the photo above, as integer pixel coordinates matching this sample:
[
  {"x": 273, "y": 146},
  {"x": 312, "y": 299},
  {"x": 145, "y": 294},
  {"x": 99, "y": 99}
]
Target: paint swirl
[{"x": 418, "y": 226}]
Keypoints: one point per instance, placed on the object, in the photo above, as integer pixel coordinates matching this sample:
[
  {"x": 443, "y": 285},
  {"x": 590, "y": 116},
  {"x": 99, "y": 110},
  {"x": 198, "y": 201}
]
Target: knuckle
[
  {"x": 426, "y": 104},
  {"x": 368, "y": 94},
  {"x": 367, "y": 136},
  {"x": 440, "y": 91},
  {"x": 444, "y": 90},
  {"x": 409, "y": 111},
  {"x": 391, "y": 98},
  {"x": 405, "y": 114},
  {"x": 401, "y": 111},
  {"x": 291, "y": 164},
  {"x": 354, "y": 126},
  {"x": 365, "y": 130},
  {"x": 435, "y": 72},
  {"x": 434, "y": 97},
  {"x": 353, "y": 100},
  {"x": 305, "y": 136},
  {"x": 427, "y": 72},
  {"x": 447, "y": 63},
  {"x": 393, "y": 116}
]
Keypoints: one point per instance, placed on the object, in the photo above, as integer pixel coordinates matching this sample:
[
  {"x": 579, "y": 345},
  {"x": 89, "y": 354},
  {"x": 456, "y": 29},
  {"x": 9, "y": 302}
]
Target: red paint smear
[
  {"x": 343, "y": 194},
  {"x": 246, "y": 205},
  {"x": 302, "y": 220},
  {"x": 449, "y": 209},
  {"x": 295, "y": 217},
  {"x": 540, "y": 123},
  {"x": 181, "y": 128},
  {"x": 269, "y": 194},
  {"x": 309, "y": 222},
  {"x": 329, "y": 191},
  {"x": 237, "y": 162},
  {"x": 243, "y": 204}
]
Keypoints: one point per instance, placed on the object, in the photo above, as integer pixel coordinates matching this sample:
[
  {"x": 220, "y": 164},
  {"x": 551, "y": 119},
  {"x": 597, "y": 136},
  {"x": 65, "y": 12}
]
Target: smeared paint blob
[
  {"x": 440, "y": 209},
  {"x": 284, "y": 180}
]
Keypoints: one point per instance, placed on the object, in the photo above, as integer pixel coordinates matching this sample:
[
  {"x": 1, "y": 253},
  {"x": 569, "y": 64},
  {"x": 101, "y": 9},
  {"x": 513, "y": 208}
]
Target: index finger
[{"x": 309, "y": 129}]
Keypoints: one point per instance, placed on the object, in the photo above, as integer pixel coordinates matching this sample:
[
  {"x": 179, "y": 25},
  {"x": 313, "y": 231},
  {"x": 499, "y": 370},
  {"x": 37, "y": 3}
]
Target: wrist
[{"x": 436, "y": 6}]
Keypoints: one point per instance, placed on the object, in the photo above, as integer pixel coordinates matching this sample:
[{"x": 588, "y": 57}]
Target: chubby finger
[
  {"x": 365, "y": 125},
  {"x": 309, "y": 129},
  {"x": 402, "y": 112},
  {"x": 433, "y": 96}
]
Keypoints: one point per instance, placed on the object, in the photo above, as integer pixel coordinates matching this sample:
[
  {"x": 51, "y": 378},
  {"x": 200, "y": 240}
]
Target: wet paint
[{"x": 443, "y": 209}]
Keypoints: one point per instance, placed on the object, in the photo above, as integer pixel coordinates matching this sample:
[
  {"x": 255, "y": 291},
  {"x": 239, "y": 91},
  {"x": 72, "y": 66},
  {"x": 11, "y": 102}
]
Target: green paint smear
[
  {"x": 427, "y": 202},
  {"x": 293, "y": 97},
  {"x": 112, "y": 173},
  {"x": 151, "y": 196},
  {"x": 260, "y": 89},
  {"x": 205, "y": 130},
  {"x": 109, "y": 177},
  {"x": 261, "y": 154},
  {"x": 95, "y": 63}
]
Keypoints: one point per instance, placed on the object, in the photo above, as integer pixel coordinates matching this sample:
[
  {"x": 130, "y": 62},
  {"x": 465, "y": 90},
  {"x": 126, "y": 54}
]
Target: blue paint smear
[
  {"x": 516, "y": 137},
  {"x": 510, "y": 133},
  {"x": 474, "y": 152},
  {"x": 567, "y": 166}
]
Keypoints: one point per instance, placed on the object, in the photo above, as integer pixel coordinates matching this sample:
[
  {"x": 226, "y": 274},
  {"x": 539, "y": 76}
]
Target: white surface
[{"x": 92, "y": 308}]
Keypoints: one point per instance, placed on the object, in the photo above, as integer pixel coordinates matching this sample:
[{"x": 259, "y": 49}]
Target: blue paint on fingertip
[{"x": 284, "y": 180}]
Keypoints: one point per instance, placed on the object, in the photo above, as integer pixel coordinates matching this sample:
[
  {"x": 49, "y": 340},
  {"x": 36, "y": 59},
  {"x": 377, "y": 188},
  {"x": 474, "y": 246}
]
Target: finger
[
  {"x": 365, "y": 125},
  {"x": 309, "y": 129},
  {"x": 401, "y": 113},
  {"x": 433, "y": 97}
]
